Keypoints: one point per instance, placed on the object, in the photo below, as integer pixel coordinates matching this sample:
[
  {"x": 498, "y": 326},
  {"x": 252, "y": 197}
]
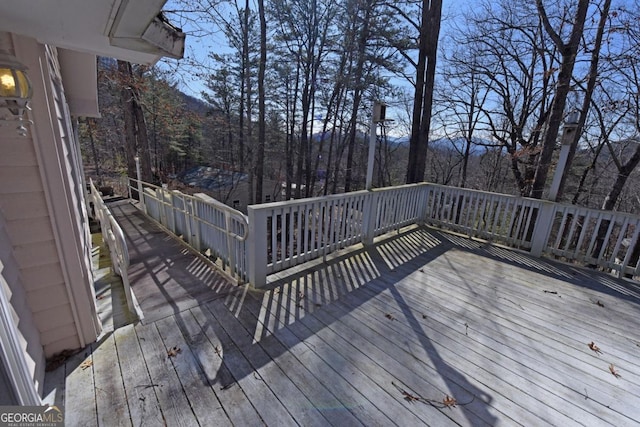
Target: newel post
[
  {"x": 542, "y": 227},
  {"x": 257, "y": 246}
]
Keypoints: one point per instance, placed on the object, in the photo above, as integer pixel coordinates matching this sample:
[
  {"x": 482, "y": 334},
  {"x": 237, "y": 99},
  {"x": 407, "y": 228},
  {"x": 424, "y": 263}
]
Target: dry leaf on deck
[
  {"x": 173, "y": 351},
  {"x": 86, "y": 364},
  {"x": 614, "y": 371},
  {"x": 389, "y": 316},
  {"x": 594, "y": 347},
  {"x": 449, "y": 402}
]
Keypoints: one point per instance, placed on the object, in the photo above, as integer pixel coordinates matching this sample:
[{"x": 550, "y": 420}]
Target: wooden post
[
  {"x": 542, "y": 227},
  {"x": 257, "y": 246}
]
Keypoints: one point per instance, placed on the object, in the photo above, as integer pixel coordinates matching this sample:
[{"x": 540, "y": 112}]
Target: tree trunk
[
  {"x": 586, "y": 102},
  {"x": 423, "y": 98},
  {"x": 568, "y": 51},
  {"x": 261, "y": 103},
  {"x": 91, "y": 126},
  {"x": 612, "y": 197},
  {"x": 357, "y": 96}
]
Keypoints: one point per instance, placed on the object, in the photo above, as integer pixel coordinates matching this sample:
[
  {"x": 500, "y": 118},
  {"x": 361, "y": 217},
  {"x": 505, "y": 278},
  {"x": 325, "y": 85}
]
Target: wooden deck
[{"x": 376, "y": 338}]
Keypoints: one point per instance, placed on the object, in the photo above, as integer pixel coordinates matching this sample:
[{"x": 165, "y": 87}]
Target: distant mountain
[
  {"x": 194, "y": 104},
  {"x": 459, "y": 144}
]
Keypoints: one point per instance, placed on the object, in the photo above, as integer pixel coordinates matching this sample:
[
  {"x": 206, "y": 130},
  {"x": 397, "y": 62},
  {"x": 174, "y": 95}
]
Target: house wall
[
  {"x": 27, "y": 333},
  {"x": 238, "y": 196},
  {"x": 46, "y": 229}
]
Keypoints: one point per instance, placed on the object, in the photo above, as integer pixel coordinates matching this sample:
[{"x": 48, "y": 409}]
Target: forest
[{"x": 475, "y": 98}]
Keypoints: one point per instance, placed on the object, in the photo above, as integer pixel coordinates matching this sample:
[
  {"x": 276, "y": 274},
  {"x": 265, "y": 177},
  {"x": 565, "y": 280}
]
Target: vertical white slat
[
  {"x": 525, "y": 210},
  {"x": 627, "y": 257},
  {"x": 575, "y": 221},
  {"x": 592, "y": 244},
  {"x": 496, "y": 216},
  {"x": 529, "y": 215},
  {"x": 300, "y": 242},
  {"x": 623, "y": 232},
  {"x": 477, "y": 209},
  {"x": 471, "y": 213},
  {"x": 513, "y": 217},
  {"x": 583, "y": 234},
  {"x": 563, "y": 223},
  {"x": 274, "y": 235},
  {"x": 291, "y": 226}
]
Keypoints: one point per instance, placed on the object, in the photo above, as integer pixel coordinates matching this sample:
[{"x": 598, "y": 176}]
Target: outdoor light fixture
[{"x": 15, "y": 90}]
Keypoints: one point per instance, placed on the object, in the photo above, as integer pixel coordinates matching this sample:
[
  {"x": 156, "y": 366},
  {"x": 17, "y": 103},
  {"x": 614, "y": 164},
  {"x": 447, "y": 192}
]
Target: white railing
[
  {"x": 113, "y": 236},
  {"x": 208, "y": 226},
  {"x": 496, "y": 217},
  {"x": 285, "y": 234},
  {"x": 280, "y": 235},
  {"x": 607, "y": 239},
  {"x": 595, "y": 237}
]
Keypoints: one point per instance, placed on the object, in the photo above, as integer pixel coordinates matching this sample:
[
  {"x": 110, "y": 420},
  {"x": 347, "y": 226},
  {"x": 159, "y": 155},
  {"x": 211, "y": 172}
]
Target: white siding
[
  {"x": 28, "y": 331},
  {"x": 44, "y": 239}
]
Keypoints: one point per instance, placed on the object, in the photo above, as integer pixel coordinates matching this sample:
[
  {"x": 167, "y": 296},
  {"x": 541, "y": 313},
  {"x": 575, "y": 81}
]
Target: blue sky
[{"x": 198, "y": 46}]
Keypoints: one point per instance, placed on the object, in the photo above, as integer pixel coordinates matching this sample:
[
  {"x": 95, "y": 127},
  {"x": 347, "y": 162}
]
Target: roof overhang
[
  {"x": 131, "y": 30},
  {"x": 80, "y": 76}
]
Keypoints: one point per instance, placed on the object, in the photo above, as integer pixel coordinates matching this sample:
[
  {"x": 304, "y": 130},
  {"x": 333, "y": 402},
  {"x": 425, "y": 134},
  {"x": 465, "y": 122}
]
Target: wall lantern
[{"x": 15, "y": 90}]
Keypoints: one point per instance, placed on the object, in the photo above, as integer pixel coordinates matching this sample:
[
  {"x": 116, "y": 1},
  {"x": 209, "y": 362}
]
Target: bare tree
[
  {"x": 424, "y": 83},
  {"x": 568, "y": 52}
]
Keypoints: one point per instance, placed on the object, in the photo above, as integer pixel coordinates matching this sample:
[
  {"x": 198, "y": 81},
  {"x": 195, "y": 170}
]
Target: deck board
[
  {"x": 111, "y": 401},
  {"x": 144, "y": 408},
  {"x": 283, "y": 343},
  {"x": 166, "y": 277},
  {"x": 336, "y": 342},
  {"x": 80, "y": 390},
  {"x": 203, "y": 400},
  {"x": 258, "y": 393},
  {"x": 207, "y": 350},
  {"x": 173, "y": 402}
]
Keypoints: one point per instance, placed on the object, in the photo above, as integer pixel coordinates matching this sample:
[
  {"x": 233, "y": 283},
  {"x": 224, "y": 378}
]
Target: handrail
[
  {"x": 279, "y": 235},
  {"x": 206, "y": 224},
  {"x": 115, "y": 239},
  {"x": 235, "y": 214}
]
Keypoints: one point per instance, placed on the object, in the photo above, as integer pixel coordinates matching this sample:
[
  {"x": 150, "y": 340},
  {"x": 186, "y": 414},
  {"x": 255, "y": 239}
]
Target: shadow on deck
[{"x": 376, "y": 336}]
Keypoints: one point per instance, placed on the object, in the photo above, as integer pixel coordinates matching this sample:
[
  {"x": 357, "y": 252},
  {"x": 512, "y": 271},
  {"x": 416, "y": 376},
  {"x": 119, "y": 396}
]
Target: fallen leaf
[
  {"x": 218, "y": 350},
  {"x": 551, "y": 292},
  {"x": 173, "y": 351},
  {"x": 300, "y": 295},
  {"x": 86, "y": 364},
  {"x": 421, "y": 270},
  {"x": 389, "y": 316},
  {"x": 614, "y": 371},
  {"x": 424, "y": 316},
  {"x": 594, "y": 347},
  {"x": 449, "y": 401},
  {"x": 599, "y": 304}
]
